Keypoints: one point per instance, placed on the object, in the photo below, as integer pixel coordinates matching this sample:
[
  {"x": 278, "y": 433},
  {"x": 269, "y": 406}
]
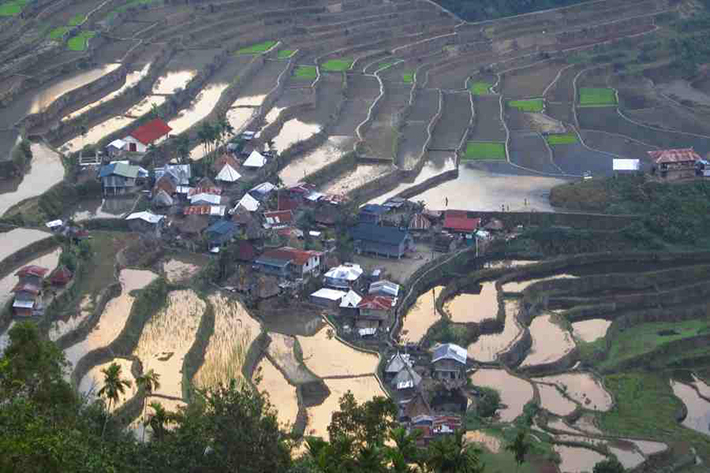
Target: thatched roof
[{"x": 222, "y": 160}]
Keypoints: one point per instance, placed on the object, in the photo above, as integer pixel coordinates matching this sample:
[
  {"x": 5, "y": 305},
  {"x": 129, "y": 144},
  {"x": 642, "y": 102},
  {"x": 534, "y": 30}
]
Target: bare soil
[
  {"x": 425, "y": 106},
  {"x": 453, "y": 123},
  {"x": 414, "y": 135},
  {"x": 531, "y": 81},
  {"x": 576, "y": 159},
  {"x": 488, "y": 126},
  {"x": 529, "y": 150}
]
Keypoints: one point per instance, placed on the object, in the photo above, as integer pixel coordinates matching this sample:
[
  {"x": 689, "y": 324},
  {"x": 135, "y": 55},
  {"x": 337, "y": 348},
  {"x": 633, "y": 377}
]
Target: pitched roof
[
  {"x": 221, "y": 227},
  {"x": 397, "y": 363},
  {"x": 206, "y": 182},
  {"x": 386, "y": 287},
  {"x": 205, "y": 190},
  {"x": 373, "y": 302},
  {"x": 167, "y": 183},
  {"x": 449, "y": 351},
  {"x": 406, "y": 378},
  {"x": 459, "y": 221},
  {"x": 377, "y": 233},
  {"x": 419, "y": 222},
  {"x": 61, "y": 275},
  {"x": 228, "y": 174},
  {"x": 247, "y": 202},
  {"x": 224, "y": 159},
  {"x": 348, "y": 272},
  {"x": 374, "y": 209},
  {"x": 329, "y": 294},
  {"x": 284, "y": 203},
  {"x": 162, "y": 198},
  {"x": 151, "y": 131},
  {"x": 263, "y": 188},
  {"x": 278, "y": 217},
  {"x": 211, "y": 199},
  {"x": 293, "y": 255},
  {"x": 674, "y": 155},
  {"x": 26, "y": 287},
  {"x": 117, "y": 143},
  {"x": 217, "y": 210},
  {"x": 32, "y": 270},
  {"x": 146, "y": 217},
  {"x": 351, "y": 300},
  {"x": 255, "y": 160},
  {"x": 120, "y": 169},
  {"x": 245, "y": 251}
]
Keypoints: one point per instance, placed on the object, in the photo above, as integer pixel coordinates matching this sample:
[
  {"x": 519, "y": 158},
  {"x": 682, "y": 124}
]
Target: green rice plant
[
  {"x": 480, "y": 150},
  {"x": 257, "y": 48},
  {"x": 562, "y": 139},
  {"x": 595, "y": 97},
  {"x": 530, "y": 105},
  {"x": 305, "y": 72},
  {"x": 77, "y": 19},
  {"x": 12, "y": 8},
  {"x": 286, "y": 53},
  {"x": 58, "y": 33},
  {"x": 408, "y": 77},
  {"x": 480, "y": 88},
  {"x": 337, "y": 65},
  {"x": 132, "y": 3},
  {"x": 81, "y": 41}
]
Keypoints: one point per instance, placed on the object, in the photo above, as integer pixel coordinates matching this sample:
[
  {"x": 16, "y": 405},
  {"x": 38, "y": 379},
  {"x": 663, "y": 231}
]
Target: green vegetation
[
  {"x": 286, "y": 53},
  {"x": 132, "y": 3},
  {"x": 594, "y": 97},
  {"x": 337, "y": 65},
  {"x": 12, "y": 7},
  {"x": 58, "y": 33},
  {"x": 384, "y": 65},
  {"x": 77, "y": 19},
  {"x": 408, "y": 77},
  {"x": 480, "y": 88},
  {"x": 257, "y": 48},
  {"x": 530, "y": 105},
  {"x": 81, "y": 41},
  {"x": 479, "y": 150},
  {"x": 562, "y": 139},
  {"x": 306, "y": 72}
]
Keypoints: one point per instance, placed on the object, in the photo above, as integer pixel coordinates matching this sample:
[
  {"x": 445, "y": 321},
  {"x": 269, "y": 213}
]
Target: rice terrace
[{"x": 355, "y": 235}]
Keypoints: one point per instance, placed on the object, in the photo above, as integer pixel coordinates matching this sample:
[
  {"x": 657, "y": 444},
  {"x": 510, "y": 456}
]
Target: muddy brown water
[
  {"x": 577, "y": 459},
  {"x": 146, "y": 105},
  {"x": 319, "y": 417},
  {"x": 583, "y": 388},
  {"x": 239, "y": 117},
  {"x": 470, "y": 307},
  {"x": 323, "y": 155},
  {"x": 514, "y": 392},
  {"x": 559, "y": 424},
  {"x": 102, "y": 208},
  {"x": 169, "y": 82},
  {"x": 487, "y": 347},
  {"x": 627, "y": 453},
  {"x": 590, "y": 330},
  {"x": 586, "y": 423},
  {"x": 18, "y": 238},
  {"x": 550, "y": 341},
  {"x": 48, "y": 260},
  {"x": 281, "y": 394},
  {"x": 93, "y": 381},
  {"x": 46, "y": 169},
  {"x": 553, "y": 400},
  {"x": 281, "y": 349},
  {"x": 421, "y": 316},
  {"x": 698, "y": 417},
  {"x": 96, "y": 133},
  {"x": 649, "y": 448},
  {"x": 363, "y": 174},
  {"x": 178, "y": 269},
  {"x": 341, "y": 360},
  {"x": 519, "y": 286},
  {"x": 61, "y": 327},
  {"x": 682, "y": 90},
  {"x": 234, "y": 332},
  {"x": 113, "y": 319},
  {"x": 294, "y": 131},
  {"x": 198, "y": 109}
]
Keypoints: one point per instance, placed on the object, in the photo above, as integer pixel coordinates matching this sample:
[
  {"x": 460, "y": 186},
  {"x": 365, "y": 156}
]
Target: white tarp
[
  {"x": 255, "y": 160},
  {"x": 627, "y": 165},
  {"x": 228, "y": 174}
]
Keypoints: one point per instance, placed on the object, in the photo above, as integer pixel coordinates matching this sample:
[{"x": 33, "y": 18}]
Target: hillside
[{"x": 480, "y": 10}]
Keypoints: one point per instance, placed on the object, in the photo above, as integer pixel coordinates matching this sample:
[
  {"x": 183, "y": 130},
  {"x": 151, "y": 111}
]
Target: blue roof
[
  {"x": 374, "y": 209},
  {"x": 120, "y": 169},
  {"x": 378, "y": 234},
  {"x": 222, "y": 227}
]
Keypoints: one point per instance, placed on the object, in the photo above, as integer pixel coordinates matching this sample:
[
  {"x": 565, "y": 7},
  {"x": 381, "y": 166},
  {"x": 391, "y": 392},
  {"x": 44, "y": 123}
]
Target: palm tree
[
  {"x": 149, "y": 382},
  {"x": 519, "y": 448},
  {"x": 114, "y": 386},
  {"x": 159, "y": 420},
  {"x": 450, "y": 454},
  {"x": 405, "y": 450},
  {"x": 182, "y": 148}
]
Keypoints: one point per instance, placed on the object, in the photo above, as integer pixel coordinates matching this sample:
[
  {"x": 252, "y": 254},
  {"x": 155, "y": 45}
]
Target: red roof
[
  {"x": 205, "y": 190},
  {"x": 461, "y": 224},
  {"x": 32, "y": 270},
  {"x": 374, "y": 302},
  {"x": 151, "y": 131},
  {"x": 279, "y": 216},
  {"x": 198, "y": 210},
  {"x": 26, "y": 287},
  {"x": 674, "y": 155},
  {"x": 245, "y": 251},
  {"x": 295, "y": 256},
  {"x": 302, "y": 189},
  {"x": 60, "y": 276},
  {"x": 285, "y": 203}
]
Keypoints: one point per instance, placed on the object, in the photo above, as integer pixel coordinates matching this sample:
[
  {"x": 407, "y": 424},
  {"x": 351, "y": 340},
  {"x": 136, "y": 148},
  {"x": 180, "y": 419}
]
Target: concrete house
[
  {"x": 373, "y": 311},
  {"x": 674, "y": 163},
  {"x": 344, "y": 276},
  {"x": 327, "y": 297},
  {"x": 391, "y": 242},
  {"x": 384, "y": 288},
  {"x": 449, "y": 362},
  {"x": 289, "y": 261},
  {"x": 145, "y": 222},
  {"x": 143, "y": 136},
  {"x": 118, "y": 178}
]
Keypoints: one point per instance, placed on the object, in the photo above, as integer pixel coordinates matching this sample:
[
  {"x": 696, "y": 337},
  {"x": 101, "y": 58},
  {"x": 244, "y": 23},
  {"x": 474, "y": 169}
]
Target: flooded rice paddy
[
  {"x": 330, "y": 151},
  {"x": 199, "y": 109},
  {"x": 421, "y": 316},
  {"x": 363, "y": 174},
  {"x": 590, "y": 330},
  {"x": 238, "y": 118},
  {"x": 114, "y": 317},
  {"x": 698, "y": 417},
  {"x": 173, "y": 80},
  {"x": 90, "y": 384},
  {"x": 251, "y": 101},
  {"x": 649, "y": 448},
  {"x": 96, "y": 133},
  {"x": 61, "y": 327},
  {"x": 167, "y": 337},
  {"x": 586, "y": 423},
  {"x": 293, "y": 131},
  {"x": 553, "y": 400},
  {"x": 514, "y": 392},
  {"x": 487, "y": 347},
  {"x": 45, "y": 170},
  {"x": 281, "y": 350},
  {"x": 281, "y": 394},
  {"x": 519, "y": 286},
  {"x": 146, "y": 105},
  {"x": 363, "y": 389},
  {"x": 16, "y": 239},
  {"x": 102, "y": 208},
  {"x": 234, "y": 331},
  {"x": 700, "y": 385},
  {"x": 627, "y": 453},
  {"x": 583, "y": 388},
  {"x": 47, "y": 260},
  {"x": 550, "y": 341},
  {"x": 45, "y": 97},
  {"x": 577, "y": 459},
  {"x": 474, "y": 307},
  {"x": 341, "y": 360}
]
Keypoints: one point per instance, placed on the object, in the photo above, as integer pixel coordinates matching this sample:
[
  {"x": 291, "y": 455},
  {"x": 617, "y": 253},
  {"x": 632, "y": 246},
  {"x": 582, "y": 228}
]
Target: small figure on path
[{"x": 446, "y": 201}]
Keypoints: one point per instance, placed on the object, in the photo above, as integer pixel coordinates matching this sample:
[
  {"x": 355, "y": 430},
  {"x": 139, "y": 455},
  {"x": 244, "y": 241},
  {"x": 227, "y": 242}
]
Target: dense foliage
[{"x": 479, "y": 10}]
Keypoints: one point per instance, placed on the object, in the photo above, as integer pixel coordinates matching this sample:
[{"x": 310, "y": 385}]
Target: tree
[
  {"x": 405, "y": 450},
  {"x": 610, "y": 465},
  {"x": 450, "y": 454},
  {"x": 114, "y": 387},
  {"x": 488, "y": 403},
  {"x": 519, "y": 448},
  {"x": 182, "y": 148},
  {"x": 149, "y": 382},
  {"x": 367, "y": 423},
  {"x": 159, "y": 420}
]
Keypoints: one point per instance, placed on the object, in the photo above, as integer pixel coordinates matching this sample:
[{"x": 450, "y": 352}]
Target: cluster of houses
[
  {"x": 29, "y": 291},
  {"x": 415, "y": 384}
]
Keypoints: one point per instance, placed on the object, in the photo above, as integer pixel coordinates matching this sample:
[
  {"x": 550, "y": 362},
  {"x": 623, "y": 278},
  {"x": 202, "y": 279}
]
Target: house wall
[
  {"x": 140, "y": 147},
  {"x": 336, "y": 283},
  {"x": 448, "y": 365},
  {"x": 374, "y": 313},
  {"x": 273, "y": 269},
  {"x": 324, "y": 302}
]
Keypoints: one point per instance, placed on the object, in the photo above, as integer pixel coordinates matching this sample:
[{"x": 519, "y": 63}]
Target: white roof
[
  {"x": 210, "y": 199},
  {"x": 330, "y": 294},
  {"x": 255, "y": 160},
  {"x": 228, "y": 174},
  {"x": 385, "y": 287},
  {"x": 405, "y": 384},
  {"x": 145, "y": 216},
  {"x": 119, "y": 143},
  {"x": 348, "y": 272},
  {"x": 314, "y": 233},
  {"x": 367, "y": 331},
  {"x": 53, "y": 224},
  {"x": 350, "y": 300},
  {"x": 264, "y": 188},
  {"x": 248, "y": 202},
  {"x": 315, "y": 196},
  {"x": 449, "y": 351},
  {"x": 183, "y": 189},
  {"x": 627, "y": 165},
  {"x": 23, "y": 304},
  {"x": 218, "y": 210}
]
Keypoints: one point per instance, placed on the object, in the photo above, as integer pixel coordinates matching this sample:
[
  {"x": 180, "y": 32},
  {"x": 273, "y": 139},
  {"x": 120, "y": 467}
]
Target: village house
[
  {"x": 384, "y": 288},
  {"x": 373, "y": 311},
  {"x": 145, "y": 222},
  {"x": 220, "y": 233},
  {"x": 345, "y": 276},
  {"x": 255, "y": 161},
  {"x": 326, "y": 297},
  {"x": 290, "y": 262},
  {"x": 449, "y": 362},
  {"x": 28, "y": 291},
  {"x": 60, "y": 276},
  {"x": 181, "y": 173},
  {"x": 248, "y": 203},
  {"x": 228, "y": 174},
  {"x": 674, "y": 163},
  {"x": 117, "y": 148},
  {"x": 460, "y": 221},
  {"x": 262, "y": 191},
  {"x": 278, "y": 219},
  {"x": 118, "y": 178},
  {"x": 396, "y": 363},
  {"x": 415, "y": 410},
  {"x": 372, "y": 213},
  {"x": 349, "y": 303},
  {"x": 390, "y": 242},
  {"x": 221, "y": 161},
  {"x": 142, "y": 137},
  {"x": 406, "y": 380}
]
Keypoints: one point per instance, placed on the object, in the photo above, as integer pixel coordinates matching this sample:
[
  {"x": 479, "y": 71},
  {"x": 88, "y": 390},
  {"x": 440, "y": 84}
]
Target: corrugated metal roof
[
  {"x": 449, "y": 351},
  {"x": 329, "y": 294},
  {"x": 680, "y": 155}
]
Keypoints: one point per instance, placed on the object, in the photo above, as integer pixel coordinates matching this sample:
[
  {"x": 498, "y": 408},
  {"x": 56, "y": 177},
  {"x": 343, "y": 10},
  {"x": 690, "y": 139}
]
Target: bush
[{"x": 488, "y": 402}]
